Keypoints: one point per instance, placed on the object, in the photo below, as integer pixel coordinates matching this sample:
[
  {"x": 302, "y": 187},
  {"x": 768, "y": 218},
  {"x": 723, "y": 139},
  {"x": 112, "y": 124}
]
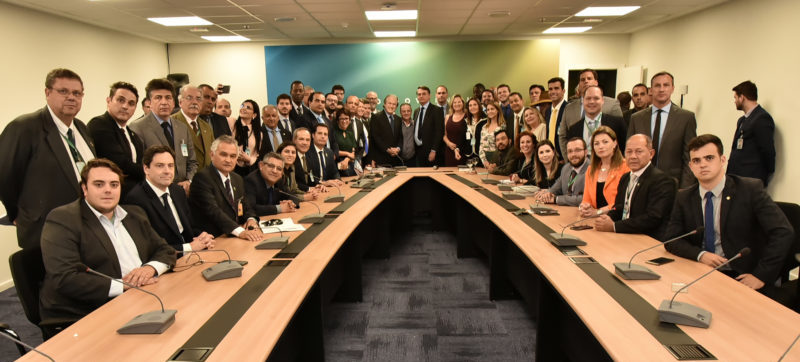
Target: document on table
[{"x": 285, "y": 225}]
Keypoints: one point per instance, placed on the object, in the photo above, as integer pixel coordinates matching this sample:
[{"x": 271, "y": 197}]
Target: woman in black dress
[
  {"x": 455, "y": 133},
  {"x": 548, "y": 167}
]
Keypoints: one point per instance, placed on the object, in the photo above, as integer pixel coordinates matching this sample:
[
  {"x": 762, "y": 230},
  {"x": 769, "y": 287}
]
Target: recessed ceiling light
[
  {"x": 567, "y": 30},
  {"x": 395, "y": 34},
  {"x": 198, "y": 30},
  {"x": 499, "y": 14},
  {"x": 181, "y": 21},
  {"x": 592, "y": 20},
  {"x": 225, "y": 38},
  {"x": 392, "y": 15},
  {"x": 607, "y": 10},
  {"x": 285, "y": 19}
]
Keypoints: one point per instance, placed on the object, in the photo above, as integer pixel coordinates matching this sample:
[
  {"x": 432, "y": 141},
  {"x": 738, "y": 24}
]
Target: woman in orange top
[{"x": 602, "y": 178}]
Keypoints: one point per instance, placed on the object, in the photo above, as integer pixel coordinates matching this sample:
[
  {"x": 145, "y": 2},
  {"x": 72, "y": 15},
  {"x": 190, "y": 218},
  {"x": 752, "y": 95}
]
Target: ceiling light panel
[
  {"x": 607, "y": 10},
  {"x": 392, "y": 15},
  {"x": 181, "y": 21}
]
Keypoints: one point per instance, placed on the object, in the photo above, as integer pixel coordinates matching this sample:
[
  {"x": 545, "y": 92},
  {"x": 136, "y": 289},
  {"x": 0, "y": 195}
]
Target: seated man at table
[
  {"x": 736, "y": 212},
  {"x": 217, "y": 196},
  {"x": 505, "y": 159},
  {"x": 262, "y": 185},
  {"x": 165, "y": 202},
  {"x": 95, "y": 231},
  {"x": 644, "y": 195},
  {"x": 568, "y": 189},
  {"x": 321, "y": 163}
]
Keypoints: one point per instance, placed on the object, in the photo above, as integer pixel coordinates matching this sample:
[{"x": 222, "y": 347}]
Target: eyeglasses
[{"x": 64, "y": 92}]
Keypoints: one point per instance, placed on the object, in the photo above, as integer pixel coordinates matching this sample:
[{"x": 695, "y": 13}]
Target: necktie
[
  {"x": 229, "y": 193},
  {"x": 287, "y": 125},
  {"x": 269, "y": 195},
  {"x": 274, "y": 139},
  {"x": 592, "y": 128},
  {"x": 194, "y": 127},
  {"x": 168, "y": 134},
  {"x": 128, "y": 149},
  {"x": 76, "y": 156},
  {"x": 572, "y": 175},
  {"x": 420, "y": 117},
  {"x": 303, "y": 163},
  {"x": 657, "y": 135},
  {"x": 551, "y": 128},
  {"x": 300, "y": 110},
  {"x": 321, "y": 165},
  {"x": 626, "y": 210},
  {"x": 164, "y": 198},
  {"x": 710, "y": 235}
]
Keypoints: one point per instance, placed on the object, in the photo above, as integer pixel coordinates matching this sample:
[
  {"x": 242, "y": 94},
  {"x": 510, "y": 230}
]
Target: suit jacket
[
  {"x": 748, "y": 217},
  {"x": 263, "y": 201},
  {"x": 151, "y": 133},
  {"x": 292, "y": 126},
  {"x": 162, "y": 221},
  {"x": 431, "y": 133},
  {"x": 37, "y": 173},
  {"x": 72, "y": 234},
  {"x": 305, "y": 120},
  {"x": 673, "y": 156},
  {"x": 383, "y": 136},
  {"x": 330, "y": 171},
  {"x": 609, "y": 188},
  {"x": 561, "y": 188},
  {"x": 651, "y": 203},
  {"x": 202, "y": 142},
  {"x": 616, "y": 124},
  {"x": 756, "y": 159},
  {"x": 210, "y": 208},
  {"x": 303, "y": 178},
  {"x": 267, "y": 145},
  {"x": 219, "y": 124},
  {"x": 110, "y": 143},
  {"x": 547, "y": 113},
  {"x": 572, "y": 115},
  {"x": 311, "y": 121}
]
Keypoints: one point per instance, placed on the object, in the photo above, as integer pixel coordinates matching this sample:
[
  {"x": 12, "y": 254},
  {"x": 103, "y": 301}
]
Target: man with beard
[
  {"x": 568, "y": 190},
  {"x": 753, "y": 151}
]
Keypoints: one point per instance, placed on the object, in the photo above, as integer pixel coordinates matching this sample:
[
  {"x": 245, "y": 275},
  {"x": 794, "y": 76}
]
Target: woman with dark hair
[
  {"x": 247, "y": 131},
  {"x": 494, "y": 122},
  {"x": 288, "y": 151},
  {"x": 455, "y": 133},
  {"x": 346, "y": 140},
  {"x": 474, "y": 126},
  {"x": 548, "y": 167},
  {"x": 525, "y": 170},
  {"x": 602, "y": 178}
]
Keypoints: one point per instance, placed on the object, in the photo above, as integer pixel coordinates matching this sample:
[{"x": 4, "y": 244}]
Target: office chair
[
  {"x": 790, "y": 290},
  {"x": 27, "y": 271}
]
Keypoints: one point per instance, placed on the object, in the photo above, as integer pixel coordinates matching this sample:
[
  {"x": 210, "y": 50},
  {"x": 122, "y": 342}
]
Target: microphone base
[
  {"x": 635, "y": 272},
  {"x": 312, "y": 219},
  {"x": 275, "y": 242},
  {"x": 223, "y": 270},
  {"x": 502, "y": 187},
  {"x": 490, "y": 181},
  {"x": 389, "y": 172},
  {"x": 513, "y": 196},
  {"x": 361, "y": 184},
  {"x": 401, "y": 168},
  {"x": 566, "y": 240},
  {"x": 684, "y": 313},
  {"x": 335, "y": 198},
  {"x": 155, "y": 322}
]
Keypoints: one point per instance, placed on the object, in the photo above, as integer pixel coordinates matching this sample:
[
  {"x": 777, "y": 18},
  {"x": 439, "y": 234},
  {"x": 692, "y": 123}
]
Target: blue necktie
[{"x": 710, "y": 235}]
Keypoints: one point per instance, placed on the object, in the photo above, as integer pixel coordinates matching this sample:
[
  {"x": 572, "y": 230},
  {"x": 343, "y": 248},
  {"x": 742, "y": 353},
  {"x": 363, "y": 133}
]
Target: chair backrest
[
  {"x": 27, "y": 270},
  {"x": 792, "y": 212}
]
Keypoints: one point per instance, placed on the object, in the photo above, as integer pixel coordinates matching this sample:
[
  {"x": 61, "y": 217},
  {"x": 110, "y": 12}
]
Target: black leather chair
[{"x": 790, "y": 290}]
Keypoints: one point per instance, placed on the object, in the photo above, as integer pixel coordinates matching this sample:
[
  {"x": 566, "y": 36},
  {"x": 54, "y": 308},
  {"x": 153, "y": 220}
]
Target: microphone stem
[
  {"x": 661, "y": 244},
  {"x": 703, "y": 276},
  {"x": 17, "y": 341},
  {"x": 90, "y": 270}
]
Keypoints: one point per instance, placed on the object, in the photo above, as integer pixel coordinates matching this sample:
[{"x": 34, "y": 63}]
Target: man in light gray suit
[
  {"x": 676, "y": 127},
  {"x": 157, "y": 128},
  {"x": 568, "y": 189},
  {"x": 573, "y": 111}
]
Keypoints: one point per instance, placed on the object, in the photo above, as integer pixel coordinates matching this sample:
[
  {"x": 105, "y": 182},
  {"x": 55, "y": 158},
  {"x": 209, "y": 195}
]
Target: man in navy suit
[
  {"x": 753, "y": 151},
  {"x": 165, "y": 203},
  {"x": 428, "y": 128},
  {"x": 321, "y": 162},
  {"x": 262, "y": 185},
  {"x": 299, "y": 111},
  {"x": 555, "y": 111}
]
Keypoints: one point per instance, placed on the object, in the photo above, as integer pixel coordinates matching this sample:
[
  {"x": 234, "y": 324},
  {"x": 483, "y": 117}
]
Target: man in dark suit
[
  {"x": 299, "y": 112},
  {"x": 442, "y": 95},
  {"x": 736, "y": 212},
  {"x": 41, "y": 155},
  {"x": 262, "y": 185},
  {"x": 157, "y": 128},
  {"x": 640, "y": 96},
  {"x": 218, "y": 122},
  {"x": 316, "y": 115},
  {"x": 503, "y": 93},
  {"x": 113, "y": 138},
  {"x": 217, "y": 196},
  {"x": 573, "y": 111},
  {"x": 273, "y": 134},
  {"x": 359, "y": 129},
  {"x": 555, "y": 111},
  {"x": 321, "y": 161},
  {"x": 165, "y": 202},
  {"x": 677, "y": 128},
  {"x": 753, "y": 151},
  {"x": 385, "y": 134},
  {"x": 428, "y": 129},
  {"x": 593, "y": 101},
  {"x": 189, "y": 114},
  {"x": 284, "y": 105},
  {"x": 644, "y": 195},
  {"x": 97, "y": 232},
  {"x": 303, "y": 176}
]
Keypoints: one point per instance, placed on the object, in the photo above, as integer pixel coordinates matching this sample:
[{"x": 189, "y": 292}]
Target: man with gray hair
[
  {"x": 217, "y": 196},
  {"x": 386, "y": 136},
  {"x": 190, "y": 99}
]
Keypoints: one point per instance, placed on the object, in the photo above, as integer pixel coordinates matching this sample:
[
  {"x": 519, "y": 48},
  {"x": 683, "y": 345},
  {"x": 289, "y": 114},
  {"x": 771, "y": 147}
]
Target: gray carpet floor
[
  {"x": 11, "y": 313},
  {"x": 425, "y": 304}
]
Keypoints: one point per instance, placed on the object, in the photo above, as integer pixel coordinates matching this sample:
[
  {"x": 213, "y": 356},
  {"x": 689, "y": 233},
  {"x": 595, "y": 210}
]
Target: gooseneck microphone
[
  {"x": 335, "y": 198},
  {"x": 275, "y": 242},
  {"x": 684, "y": 313},
  {"x": 154, "y": 322},
  {"x": 559, "y": 239},
  {"x": 225, "y": 269},
  {"x": 402, "y": 163},
  {"x": 310, "y": 218},
  {"x": 632, "y": 271},
  {"x": 21, "y": 343}
]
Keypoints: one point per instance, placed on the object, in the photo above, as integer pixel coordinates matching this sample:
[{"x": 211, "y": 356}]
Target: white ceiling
[{"x": 327, "y": 20}]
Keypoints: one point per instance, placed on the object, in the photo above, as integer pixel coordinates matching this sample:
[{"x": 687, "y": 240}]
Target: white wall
[
  {"x": 34, "y": 43},
  {"x": 713, "y": 50}
]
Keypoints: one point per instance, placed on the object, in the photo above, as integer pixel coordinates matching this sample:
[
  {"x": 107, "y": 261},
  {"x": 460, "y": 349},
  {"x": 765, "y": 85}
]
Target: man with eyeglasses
[
  {"x": 190, "y": 99},
  {"x": 41, "y": 157},
  {"x": 262, "y": 185},
  {"x": 736, "y": 212}
]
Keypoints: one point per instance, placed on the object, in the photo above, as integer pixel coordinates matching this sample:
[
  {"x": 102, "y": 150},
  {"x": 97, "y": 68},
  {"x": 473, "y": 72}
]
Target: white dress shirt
[{"x": 186, "y": 246}]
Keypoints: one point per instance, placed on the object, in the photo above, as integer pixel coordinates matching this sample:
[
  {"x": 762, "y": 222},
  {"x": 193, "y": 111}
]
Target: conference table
[{"x": 274, "y": 311}]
